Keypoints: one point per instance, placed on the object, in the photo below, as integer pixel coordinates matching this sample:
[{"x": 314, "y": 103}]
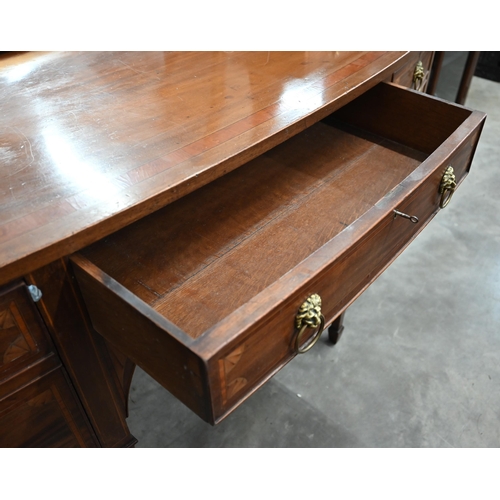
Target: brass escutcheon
[
  {"x": 447, "y": 186},
  {"x": 418, "y": 75},
  {"x": 309, "y": 316}
]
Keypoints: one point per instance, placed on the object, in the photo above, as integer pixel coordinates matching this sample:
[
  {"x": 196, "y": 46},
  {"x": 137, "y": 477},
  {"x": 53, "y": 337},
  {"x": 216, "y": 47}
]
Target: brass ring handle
[
  {"x": 446, "y": 197},
  {"x": 309, "y": 316},
  {"x": 447, "y": 187},
  {"x": 314, "y": 339}
]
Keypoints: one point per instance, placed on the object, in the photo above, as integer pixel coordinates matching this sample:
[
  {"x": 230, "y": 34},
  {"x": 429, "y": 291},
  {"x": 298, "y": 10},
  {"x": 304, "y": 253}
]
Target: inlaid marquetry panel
[
  {"x": 230, "y": 384},
  {"x": 43, "y": 414},
  {"x": 15, "y": 338},
  {"x": 22, "y": 335}
]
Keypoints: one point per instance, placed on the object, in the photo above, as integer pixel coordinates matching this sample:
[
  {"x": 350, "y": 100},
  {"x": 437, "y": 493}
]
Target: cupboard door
[
  {"x": 23, "y": 339},
  {"x": 44, "y": 413}
]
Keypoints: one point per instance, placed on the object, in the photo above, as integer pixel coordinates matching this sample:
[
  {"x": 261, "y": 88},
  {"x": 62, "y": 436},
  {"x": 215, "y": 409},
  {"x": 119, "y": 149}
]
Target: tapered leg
[
  {"x": 470, "y": 67},
  {"x": 336, "y": 328},
  {"x": 100, "y": 376}
]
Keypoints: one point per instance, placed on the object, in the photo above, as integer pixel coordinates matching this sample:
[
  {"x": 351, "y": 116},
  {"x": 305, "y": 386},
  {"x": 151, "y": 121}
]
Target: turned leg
[{"x": 336, "y": 328}]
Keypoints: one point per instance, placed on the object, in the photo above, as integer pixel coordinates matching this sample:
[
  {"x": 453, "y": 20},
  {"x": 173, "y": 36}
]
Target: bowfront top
[{"x": 91, "y": 141}]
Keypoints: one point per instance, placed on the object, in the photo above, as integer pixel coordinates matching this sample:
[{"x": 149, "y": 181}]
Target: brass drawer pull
[
  {"x": 447, "y": 186},
  {"x": 418, "y": 75},
  {"x": 412, "y": 218},
  {"x": 309, "y": 316}
]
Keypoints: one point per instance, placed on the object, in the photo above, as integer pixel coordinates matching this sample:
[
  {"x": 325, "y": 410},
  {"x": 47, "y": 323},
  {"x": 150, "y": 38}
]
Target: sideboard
[{"x": 205, "y": 216}]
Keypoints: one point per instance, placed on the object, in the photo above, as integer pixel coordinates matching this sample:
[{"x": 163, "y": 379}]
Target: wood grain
[
  {"x": 44, "y": 413},
  {"x": 23, "y": 338},
  {"x": 84, "y": 354},
  {"x": 37, "y": 404},
  {"x": 90, "y": 142},
  {"x": 213, "y": 281},
  {"x": 259, "y": 229}
]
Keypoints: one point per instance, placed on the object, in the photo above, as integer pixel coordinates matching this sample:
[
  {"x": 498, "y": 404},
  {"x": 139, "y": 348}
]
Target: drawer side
[{"x": 148, "y": 339}]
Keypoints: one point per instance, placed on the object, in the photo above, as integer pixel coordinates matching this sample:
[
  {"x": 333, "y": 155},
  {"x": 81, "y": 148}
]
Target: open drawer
[{"x": 204, "y": 293}]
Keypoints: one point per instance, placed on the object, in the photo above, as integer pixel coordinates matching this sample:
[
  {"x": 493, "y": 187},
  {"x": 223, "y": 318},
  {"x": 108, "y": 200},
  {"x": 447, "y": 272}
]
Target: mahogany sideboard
[{"x": 202, "y": 215}]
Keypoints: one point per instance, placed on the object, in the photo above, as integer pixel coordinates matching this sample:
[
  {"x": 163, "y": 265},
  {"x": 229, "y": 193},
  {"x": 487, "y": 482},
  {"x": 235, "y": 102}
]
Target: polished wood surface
[
  {"x": 176, "y": 170},
  {"x": 38, "y": 406},
  {"x": 44, "y": 413},
  {"x": 90, "y": 142},
  {"x": 213, "y": 281},
  {"x": 296, "y": 197},
  {"x": 22, "y": 337},
  {"x": 405, "y": 74},
  {"x": 102, "y": 389}
]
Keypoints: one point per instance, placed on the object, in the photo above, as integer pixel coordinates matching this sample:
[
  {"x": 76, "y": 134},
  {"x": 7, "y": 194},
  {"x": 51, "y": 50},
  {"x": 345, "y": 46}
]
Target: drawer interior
[{"x": 202, "y": 257}]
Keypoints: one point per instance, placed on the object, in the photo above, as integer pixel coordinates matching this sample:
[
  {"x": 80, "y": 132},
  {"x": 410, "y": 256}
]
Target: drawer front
[
  {"x": 44, "y": 413},
  {"x": 38, "y": 407},
  {"x": 242, "y": 367},
  {"x": 22, "y": 335},
  {"x": 214, "y": 371},
  {"x": 420, "y": 65}
]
